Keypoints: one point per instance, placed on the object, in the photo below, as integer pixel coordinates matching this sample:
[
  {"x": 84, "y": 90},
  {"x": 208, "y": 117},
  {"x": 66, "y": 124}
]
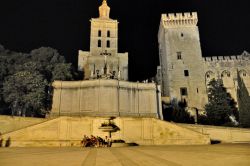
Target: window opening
[
  {"x": 99, "y": 43},
  {"x": 186, "y": 73},
  {"x": 183, "y": 91}
]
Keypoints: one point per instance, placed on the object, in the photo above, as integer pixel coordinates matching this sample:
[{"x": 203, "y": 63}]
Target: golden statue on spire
[
  {"x": 104, "y": 1},
  {"x": 104, "y": 10}
]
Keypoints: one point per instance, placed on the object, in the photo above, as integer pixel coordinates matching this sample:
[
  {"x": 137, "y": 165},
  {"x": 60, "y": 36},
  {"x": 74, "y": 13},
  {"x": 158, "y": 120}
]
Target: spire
[{"x": 104, "y": 10}]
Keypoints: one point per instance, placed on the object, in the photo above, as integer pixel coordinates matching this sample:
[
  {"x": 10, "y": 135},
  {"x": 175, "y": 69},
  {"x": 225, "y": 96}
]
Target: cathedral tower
[
  {"x": 104, "y": 33},
  {"x": 103, "y": 60}
]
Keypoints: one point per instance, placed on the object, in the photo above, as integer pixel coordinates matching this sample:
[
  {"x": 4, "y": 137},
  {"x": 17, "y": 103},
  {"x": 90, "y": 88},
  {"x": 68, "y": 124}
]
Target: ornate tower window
[
  {"x": 108, "y": 44},
  {"x": 99, "y": 43},
  {"x": 108, "y": 33},
  {"x": 99, "y": 33}
]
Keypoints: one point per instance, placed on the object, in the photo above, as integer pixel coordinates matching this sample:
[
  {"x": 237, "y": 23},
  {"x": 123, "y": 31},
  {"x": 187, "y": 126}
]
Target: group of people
[{"x": 93, "y": 141}]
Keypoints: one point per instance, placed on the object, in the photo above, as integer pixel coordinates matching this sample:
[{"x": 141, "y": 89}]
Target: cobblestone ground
[{"x": 209, "y": 155}]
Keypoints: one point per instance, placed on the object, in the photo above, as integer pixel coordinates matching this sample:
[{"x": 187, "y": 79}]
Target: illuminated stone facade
[
  {"x": 105, "y": 90},
  {"x": 103, "y": 59},
  {"x": 184, "y": 73}
]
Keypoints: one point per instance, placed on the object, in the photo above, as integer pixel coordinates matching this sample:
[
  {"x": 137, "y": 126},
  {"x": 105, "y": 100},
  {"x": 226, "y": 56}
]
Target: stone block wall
[
  {"x": 69, "y": 131},
  {"x": 223, "y": 134},
  {"x": 105, "y": 98}
]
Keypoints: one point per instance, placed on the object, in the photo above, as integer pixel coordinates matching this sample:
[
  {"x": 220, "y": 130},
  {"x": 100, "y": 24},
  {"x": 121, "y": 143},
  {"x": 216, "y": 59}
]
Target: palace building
[{"x": 184, "y": 74}]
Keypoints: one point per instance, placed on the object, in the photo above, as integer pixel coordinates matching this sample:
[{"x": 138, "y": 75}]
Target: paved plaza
[{"x": 206, "y": 155}]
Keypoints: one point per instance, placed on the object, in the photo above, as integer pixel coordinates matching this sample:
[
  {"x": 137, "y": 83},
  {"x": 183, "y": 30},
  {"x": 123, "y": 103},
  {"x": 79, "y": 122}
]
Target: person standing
[{"x": 109, "y": 142}]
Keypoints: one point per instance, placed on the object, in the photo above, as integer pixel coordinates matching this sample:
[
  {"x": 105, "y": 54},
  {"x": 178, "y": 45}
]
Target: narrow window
[
  {"x": 183, "y": 91},
  {"x": 244, "y": 74},
  {"x": 108, "y": 44},
  {"x": 179, "y": 55},
  {"x": 182, "y": 35},
  {"x": 108, "y": 34},
  {"x": 197, "y": 90},
  {"x": 99, "y": 33},
  {"x": 186, "y": 73},
  {"x": 99, "y": 43},
  {"x": 228, "y": 74}
]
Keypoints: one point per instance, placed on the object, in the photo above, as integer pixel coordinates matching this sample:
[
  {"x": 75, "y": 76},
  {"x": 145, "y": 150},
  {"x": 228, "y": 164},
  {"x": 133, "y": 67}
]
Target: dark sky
[{"x": 64, "y": 25}]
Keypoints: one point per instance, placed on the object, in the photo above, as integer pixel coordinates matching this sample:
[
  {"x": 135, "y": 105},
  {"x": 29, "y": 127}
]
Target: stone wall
[
  {"x": 183, "y": 73},
  {"x": 9, "y": 123},
  {"x": 68, "y": 131},
  {"x": 105, "y": 98},
  {"x": 223, "y": 134},
  {"x": 229, "y": 68}
]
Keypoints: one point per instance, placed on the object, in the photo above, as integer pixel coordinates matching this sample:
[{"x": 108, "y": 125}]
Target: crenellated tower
[{"x": 181, "y": 64}]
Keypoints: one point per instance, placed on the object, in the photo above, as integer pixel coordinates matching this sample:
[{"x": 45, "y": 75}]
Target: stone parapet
[
  {"x": 105, "y": 98},
  {"x": 245, "y": 56},
  {"x": 180, "y": 19}
]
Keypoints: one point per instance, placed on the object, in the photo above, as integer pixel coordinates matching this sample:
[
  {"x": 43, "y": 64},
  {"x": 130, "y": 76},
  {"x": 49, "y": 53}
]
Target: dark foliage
[
  {"x": 221, "y": 106},
  {"x": 26, "y": 80},
  {"x": 177, "y": 113}
]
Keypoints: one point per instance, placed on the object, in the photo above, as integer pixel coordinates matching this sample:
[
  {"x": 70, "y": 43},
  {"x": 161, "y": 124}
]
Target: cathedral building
[
  {"x": 105, "y": 90},
  {"x": 183, "y": 73}
]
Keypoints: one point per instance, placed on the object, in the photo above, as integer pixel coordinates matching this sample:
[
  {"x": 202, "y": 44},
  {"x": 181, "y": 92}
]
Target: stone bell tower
[
  {"x": 104, "y": 33},
  {"x": 103, "y": 60}
]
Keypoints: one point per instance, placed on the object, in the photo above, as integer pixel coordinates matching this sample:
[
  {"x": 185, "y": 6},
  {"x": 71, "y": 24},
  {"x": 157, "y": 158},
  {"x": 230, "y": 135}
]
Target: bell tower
[
  {"x": 103, "y": 60},
  {"x": 104, "y": 33}
]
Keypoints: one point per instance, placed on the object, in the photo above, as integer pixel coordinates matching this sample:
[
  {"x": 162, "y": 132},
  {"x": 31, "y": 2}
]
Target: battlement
[
  {"x": 222, "y": 58},
  {"x": 244, "y": 56},
  {"x": 179, "y": 19}
]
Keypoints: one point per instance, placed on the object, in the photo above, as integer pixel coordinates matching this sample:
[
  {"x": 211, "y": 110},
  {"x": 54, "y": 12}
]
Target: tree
[
  {"x": 62, "y": 71},
  {"x": 3, "y": 74},
  {"x": 25, "y": 93},
  {"x": 177, "y": 112},
  {"x": 220, "y": 108},
  {"x": 48, "y": 58},
  {"x": 52, "y": 67},
  {"x": 26, "y": 80}
]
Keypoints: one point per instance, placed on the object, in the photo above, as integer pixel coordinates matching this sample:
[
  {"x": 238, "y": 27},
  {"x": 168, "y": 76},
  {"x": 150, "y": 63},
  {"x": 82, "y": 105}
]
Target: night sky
[{"x": 64, "y": 25}]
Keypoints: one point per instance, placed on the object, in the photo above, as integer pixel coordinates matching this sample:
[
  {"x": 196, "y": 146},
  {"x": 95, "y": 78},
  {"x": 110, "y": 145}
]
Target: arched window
[
  {"x": 225, "y": 74},
  {"x": 209, "y": 76},
  {"x": 108, "y": 34},
  {"x": 99, "y": 43},
  {"x": 243, "y": 73},
  {"x": 99, "y": 33},
  {"x": 108, "y": 44}
]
